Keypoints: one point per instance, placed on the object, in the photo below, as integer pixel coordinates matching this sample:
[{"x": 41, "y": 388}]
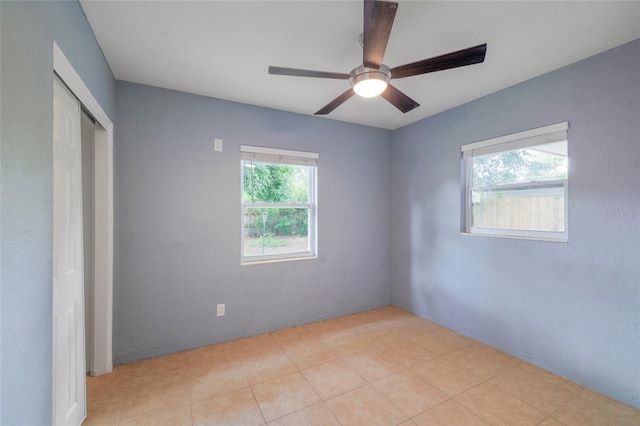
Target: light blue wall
[
  {"x": 177, "y": 222},
  {"x": 573, "y": 308},
  {"x": 28, "y": 30}
]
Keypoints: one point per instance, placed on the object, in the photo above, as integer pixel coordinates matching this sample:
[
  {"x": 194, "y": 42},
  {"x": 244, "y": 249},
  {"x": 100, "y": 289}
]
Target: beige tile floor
[{"x": 380, "y": 367}]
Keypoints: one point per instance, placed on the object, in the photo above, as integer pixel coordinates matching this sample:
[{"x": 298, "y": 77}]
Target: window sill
[
  {"x": 266, "y": 261},
  {"x": 516, "y": 237}
]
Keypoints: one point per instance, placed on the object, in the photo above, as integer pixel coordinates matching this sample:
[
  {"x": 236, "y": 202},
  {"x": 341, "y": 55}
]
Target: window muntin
[
  {"x": 516, "y": 185},
  {"x": 278, "y": 204}
]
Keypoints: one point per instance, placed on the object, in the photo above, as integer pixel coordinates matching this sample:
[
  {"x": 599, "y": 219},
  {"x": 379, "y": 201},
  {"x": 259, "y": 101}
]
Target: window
[
  {"x": 279, "y": 206},
  {"x": 516, "y": 185}
]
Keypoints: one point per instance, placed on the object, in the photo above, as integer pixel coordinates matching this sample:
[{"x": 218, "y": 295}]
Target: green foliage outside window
[{"x": 271, "y": 183}]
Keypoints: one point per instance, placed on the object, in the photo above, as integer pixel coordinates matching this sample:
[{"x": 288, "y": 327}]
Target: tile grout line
[
  {"x": 189, "y": 388},
  {"x": 500, "y": 389},
  {"x": 573, "y": 398},
  {"x": 257, "y": 403},
  {"x": 126, "y": 394}
]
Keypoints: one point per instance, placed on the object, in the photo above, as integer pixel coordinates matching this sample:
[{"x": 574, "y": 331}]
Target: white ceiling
[{"x": 223, "y": 49}]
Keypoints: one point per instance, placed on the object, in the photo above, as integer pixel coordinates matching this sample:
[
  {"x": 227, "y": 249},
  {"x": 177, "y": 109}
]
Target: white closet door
[{"x": 69, "y": 393}]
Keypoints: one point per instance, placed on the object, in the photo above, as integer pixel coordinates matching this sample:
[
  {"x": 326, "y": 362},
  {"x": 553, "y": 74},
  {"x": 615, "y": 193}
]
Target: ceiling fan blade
[
  {"x": 307, "y": 73},
  {"x": 461, "y": 58},
  {"x": 399, "y": 99},
  {"x": 378, "y": 20},
  {"x": 335, "y": 103}
]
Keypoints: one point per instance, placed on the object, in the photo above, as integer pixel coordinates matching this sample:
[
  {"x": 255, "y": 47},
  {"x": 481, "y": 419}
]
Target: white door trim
[{"x": 103, "y": 227}]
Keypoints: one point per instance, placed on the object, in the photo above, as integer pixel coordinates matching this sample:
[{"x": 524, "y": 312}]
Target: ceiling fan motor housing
[{"x": 361, "y": 74}]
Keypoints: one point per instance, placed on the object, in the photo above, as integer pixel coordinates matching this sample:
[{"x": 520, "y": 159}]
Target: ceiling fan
[{"x": 372, "y": 77}]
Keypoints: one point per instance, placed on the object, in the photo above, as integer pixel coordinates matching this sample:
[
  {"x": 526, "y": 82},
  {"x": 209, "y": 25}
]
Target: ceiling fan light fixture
[
  {"x": 370, "y": 82},
  {"x": 370, "y": 88}
]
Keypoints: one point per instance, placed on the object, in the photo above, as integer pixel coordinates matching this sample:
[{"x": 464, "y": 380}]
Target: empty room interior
[{"x": 207, "y": 218}]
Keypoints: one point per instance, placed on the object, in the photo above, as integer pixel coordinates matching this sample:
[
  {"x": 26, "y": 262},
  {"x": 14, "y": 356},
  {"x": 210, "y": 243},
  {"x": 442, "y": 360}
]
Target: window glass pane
[
  {"x": 537, "y": 163},
  {"x": 533, "y": 209},
  {"x": 275, "y": 183},
  {"x": 276, "y": 231}
]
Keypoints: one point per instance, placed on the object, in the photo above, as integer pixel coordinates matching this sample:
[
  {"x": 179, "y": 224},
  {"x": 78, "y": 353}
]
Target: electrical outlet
[
  {"x": 217, "y": 144},
  {"x": 220, "y": 312}
]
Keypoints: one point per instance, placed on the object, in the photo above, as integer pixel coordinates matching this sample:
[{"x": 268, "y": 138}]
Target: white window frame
[
  {"x": 284, "y": 157},
  {"x": 527, "y": 139}
]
